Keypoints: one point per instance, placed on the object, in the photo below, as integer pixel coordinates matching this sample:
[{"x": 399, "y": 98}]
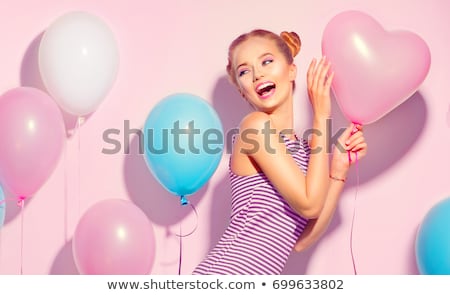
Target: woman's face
[{"x": 262, "y": 73}]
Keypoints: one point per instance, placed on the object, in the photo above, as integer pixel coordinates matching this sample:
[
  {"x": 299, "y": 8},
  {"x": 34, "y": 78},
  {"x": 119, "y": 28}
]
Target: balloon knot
[
  {"x": 21, "y": 201},
  {"x": 183, "y": 201}
]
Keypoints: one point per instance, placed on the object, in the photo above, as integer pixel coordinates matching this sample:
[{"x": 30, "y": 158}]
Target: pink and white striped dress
[{"x": 263, "y": 227}]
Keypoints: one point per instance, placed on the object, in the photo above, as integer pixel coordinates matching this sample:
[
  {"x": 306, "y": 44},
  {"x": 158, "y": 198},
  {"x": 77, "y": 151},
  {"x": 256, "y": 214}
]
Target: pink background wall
[{"x": 180, "y": 46}]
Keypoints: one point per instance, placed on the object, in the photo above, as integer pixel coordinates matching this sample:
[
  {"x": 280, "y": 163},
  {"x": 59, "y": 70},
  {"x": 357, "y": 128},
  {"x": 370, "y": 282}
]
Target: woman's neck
[{"x": 283, "y": 118}]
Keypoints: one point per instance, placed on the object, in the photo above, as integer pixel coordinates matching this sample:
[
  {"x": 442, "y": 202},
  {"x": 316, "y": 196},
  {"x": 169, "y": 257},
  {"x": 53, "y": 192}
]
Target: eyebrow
[{"x": 261, "y": 56}]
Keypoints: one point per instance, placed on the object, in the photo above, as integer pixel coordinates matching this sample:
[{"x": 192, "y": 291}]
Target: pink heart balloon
[{"x": 375, "y": 70}]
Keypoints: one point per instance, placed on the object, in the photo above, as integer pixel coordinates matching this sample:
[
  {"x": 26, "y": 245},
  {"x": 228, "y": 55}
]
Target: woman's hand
[
  {"x": 351, "y": 146},
  {"x": 319, "y": 84}
]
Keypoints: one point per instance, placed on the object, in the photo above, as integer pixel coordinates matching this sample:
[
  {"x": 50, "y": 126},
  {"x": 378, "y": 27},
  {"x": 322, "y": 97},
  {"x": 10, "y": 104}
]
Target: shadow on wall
[
  {"x": 411, "y": 254},
  {"x": 231, "y": 108},
  {"x": 388, "y": 139},
  {"x": 298, "y": 262},
  {"x": 12, "y": 208},
  {"x": 64, "y": 264},
  {"x": 30, "y": 76},
  {"x": 161, "y": 207}
]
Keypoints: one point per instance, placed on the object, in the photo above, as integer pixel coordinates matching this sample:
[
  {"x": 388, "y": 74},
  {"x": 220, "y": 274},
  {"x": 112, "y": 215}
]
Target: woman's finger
[
  {"x": 354, "y": 139},
  {"x": 329, "y": 81},
  {"x": 310, "y": 74},
  {"x": 316, "y": 74},
  {"x": 360, "y": 147},
  {"x": 322, "y": 76},
  {"x": 359, "y": 153}
]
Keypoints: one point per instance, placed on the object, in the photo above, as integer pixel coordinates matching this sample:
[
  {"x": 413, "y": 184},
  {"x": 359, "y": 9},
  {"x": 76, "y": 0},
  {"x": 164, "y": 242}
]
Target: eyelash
[
  {"x": 265, "y": 62},
  {"x": 243, "y": 72}
]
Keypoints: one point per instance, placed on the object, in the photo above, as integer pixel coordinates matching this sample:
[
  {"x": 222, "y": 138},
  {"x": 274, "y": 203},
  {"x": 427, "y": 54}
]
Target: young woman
[{"x": 284, "y": 189}]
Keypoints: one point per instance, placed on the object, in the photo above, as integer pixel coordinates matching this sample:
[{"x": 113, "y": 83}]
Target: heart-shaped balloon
[{"x": 375, "y": 70}]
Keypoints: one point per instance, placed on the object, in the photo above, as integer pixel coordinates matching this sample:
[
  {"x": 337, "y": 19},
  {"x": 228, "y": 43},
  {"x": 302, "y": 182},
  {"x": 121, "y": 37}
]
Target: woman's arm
[
  {"x": 319, "y": 95},
  {"x": 315, "y": 228}
]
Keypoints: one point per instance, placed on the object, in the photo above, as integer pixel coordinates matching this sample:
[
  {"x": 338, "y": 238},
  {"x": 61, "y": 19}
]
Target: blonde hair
[{"x": 288, "y": 43}]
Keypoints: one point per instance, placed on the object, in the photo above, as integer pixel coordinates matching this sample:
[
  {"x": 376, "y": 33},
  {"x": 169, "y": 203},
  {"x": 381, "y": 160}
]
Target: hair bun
[{"x": 293, "y": 41}]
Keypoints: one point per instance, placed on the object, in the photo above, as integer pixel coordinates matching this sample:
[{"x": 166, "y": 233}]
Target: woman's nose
[{"x": 257, "y": 74}]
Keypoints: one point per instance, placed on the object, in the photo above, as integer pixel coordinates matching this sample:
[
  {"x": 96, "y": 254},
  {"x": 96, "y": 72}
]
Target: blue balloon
[
  {"x": 183, "y": 143},
  {"x": 2, "y": 207},
  {"x": 433, "y": 241}
]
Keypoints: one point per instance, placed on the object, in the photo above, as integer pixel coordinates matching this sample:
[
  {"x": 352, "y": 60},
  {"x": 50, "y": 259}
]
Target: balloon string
[
  {"x": 181, "y": 236},
  {"x": 66, "y": 199},
  {"x": 80, "y": 119},
  {"x": 21, "y": 203},
  {"x": 354, "y": 203},
  {"x": 1, "y": 242},
  {"x": 180, "y": 259},
  {"x": 354, "y": 213},
  {"x": 196, "y": 225}
]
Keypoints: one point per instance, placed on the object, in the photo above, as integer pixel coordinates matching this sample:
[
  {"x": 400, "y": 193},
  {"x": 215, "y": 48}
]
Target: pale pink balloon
[
  {"x": 114, "y": 237},
  {"x": 375, "y": 70},
  {"x": 32, "y": 136}
]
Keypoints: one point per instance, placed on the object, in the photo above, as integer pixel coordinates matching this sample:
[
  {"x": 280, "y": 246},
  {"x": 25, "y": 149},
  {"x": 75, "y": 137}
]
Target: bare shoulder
[
  {"x": 254, "y": 120},
  {"x": 247, "y": 141},
  {"x": 250, "y": 135}
]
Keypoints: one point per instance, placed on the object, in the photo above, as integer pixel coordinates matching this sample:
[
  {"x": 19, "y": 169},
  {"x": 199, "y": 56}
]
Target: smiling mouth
[{"x": 265, "y": 89}]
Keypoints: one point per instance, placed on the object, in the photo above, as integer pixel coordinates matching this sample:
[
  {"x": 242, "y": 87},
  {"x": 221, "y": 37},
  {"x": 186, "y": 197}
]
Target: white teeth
[{"x": 264, "y": 85}]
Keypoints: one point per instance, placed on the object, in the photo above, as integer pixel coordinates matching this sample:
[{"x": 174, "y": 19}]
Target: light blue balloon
[
  {"x": 183, "y": 143},
  {"x": 433, "y": 241},
  {"x": 2, "y": 207}
]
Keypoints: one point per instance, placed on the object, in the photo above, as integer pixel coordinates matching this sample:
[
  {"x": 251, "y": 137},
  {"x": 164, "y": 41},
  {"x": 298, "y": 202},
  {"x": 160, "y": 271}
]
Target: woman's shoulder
[{"x": 255, "y": 120}]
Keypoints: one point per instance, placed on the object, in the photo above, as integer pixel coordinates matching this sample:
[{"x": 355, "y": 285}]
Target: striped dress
[{"x": 263, "y": 228}]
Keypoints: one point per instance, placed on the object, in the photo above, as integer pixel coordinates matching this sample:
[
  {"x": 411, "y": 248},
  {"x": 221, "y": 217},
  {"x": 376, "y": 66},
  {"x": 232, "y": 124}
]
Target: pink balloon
[
  {"x": 114, "y": 237},
  {"x": 375, "y": 70},
  {"x": 32, "y": 138}
]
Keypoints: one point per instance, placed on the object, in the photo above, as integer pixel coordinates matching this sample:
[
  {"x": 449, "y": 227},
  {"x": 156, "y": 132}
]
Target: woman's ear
[{"x": 292, "y": 72}]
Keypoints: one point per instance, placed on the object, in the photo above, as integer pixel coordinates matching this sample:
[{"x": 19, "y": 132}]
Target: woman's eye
[
  {"x": 267, "y": 61},
  {"x": 242, "y": 72}
]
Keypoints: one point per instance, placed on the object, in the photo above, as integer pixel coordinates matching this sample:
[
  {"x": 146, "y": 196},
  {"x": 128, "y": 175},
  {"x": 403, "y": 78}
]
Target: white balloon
[{"x": 78, "y": 61}]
